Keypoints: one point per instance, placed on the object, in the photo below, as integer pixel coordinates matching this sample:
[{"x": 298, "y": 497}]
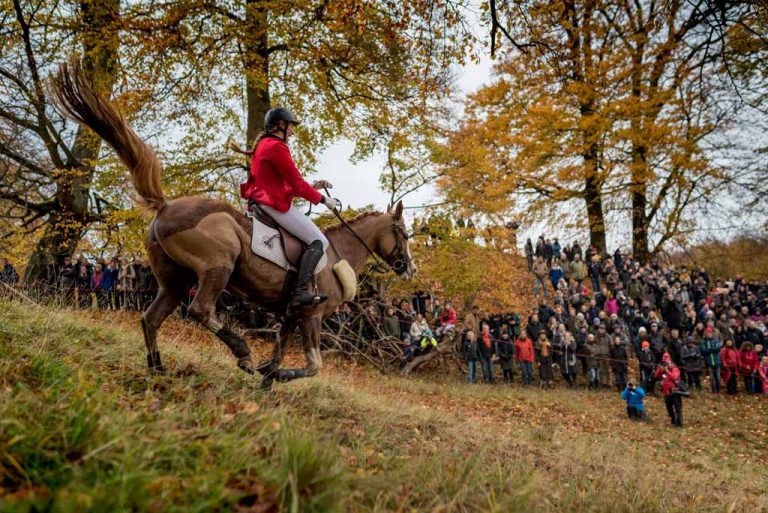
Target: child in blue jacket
[{"x": 634, "y": 396}]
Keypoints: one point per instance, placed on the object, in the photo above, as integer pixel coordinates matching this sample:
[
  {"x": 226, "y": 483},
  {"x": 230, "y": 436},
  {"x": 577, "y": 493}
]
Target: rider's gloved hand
[
  {"x": 322, "y": 184},
  {"x": 331, "y": 203}
]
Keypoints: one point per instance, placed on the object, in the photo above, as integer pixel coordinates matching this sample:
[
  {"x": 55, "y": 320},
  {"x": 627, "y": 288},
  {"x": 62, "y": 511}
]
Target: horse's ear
[
  {"x": 389, "y": 208},
  {"x": 398, "y": 210}
]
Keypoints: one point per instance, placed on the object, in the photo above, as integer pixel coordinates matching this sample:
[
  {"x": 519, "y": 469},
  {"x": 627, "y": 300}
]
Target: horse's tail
[{"x": 76, "y": 97}]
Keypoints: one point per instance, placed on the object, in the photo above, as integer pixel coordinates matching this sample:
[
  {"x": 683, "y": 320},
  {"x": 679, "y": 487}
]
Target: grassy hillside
[{"x": 84, "y": 428}]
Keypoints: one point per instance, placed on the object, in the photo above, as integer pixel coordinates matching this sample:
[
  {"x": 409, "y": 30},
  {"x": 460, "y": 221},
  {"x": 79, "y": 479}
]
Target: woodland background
[{"x": 641, "y": 119}]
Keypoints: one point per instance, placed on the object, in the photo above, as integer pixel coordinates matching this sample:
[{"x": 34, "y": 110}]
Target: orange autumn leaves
[{"x": 617, "y": 108}]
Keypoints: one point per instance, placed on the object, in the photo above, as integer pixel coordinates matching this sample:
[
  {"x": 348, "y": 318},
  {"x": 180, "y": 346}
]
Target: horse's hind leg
[
  {"x": 174, "y": 282},
  {"x": 163, "y": 306},
  {"x": 211, "y": 283}
]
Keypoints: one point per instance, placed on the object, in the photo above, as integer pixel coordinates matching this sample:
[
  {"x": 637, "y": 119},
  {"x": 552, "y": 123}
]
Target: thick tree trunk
[
  {"x": 638, "y": 193},
  {"x": 593, "y": 194},
  {"x": 595, "y": 217},
  {"x": 65, "y": 226},
  {"x": 639, "y": 165},
  {"x": 256, "y": 63},
  {"x": 577, "y": 19}
]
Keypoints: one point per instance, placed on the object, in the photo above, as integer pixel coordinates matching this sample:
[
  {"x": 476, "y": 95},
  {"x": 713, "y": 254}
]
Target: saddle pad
[{"x": 265, "y": 242}]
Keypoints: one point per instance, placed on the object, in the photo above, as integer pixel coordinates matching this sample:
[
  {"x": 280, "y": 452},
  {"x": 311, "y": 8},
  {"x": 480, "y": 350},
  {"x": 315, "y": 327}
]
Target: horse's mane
[{"x": 358, "y": 217}]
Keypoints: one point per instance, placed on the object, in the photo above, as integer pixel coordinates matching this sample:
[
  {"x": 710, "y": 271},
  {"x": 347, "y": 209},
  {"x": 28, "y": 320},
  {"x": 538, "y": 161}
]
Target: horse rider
[{"x": 273, "y": 183}]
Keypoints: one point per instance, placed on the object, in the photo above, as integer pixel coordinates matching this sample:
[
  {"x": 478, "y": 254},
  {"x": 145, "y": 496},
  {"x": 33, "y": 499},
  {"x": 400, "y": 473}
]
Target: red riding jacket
[{"x": 274, "y": 179}]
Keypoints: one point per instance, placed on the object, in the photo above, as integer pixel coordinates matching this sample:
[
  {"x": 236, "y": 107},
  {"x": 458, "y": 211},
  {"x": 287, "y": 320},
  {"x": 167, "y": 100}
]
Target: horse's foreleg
[
  {"x": 310, "y": 333},
  {"x": 203, "y": 309},
  {"x": 269, "y": 368},
  {"x": 163, "y": 306}
]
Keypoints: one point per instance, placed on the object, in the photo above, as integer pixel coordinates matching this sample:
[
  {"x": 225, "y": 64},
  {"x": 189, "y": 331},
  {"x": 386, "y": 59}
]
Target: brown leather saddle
[{"x": 292, "y": 246}]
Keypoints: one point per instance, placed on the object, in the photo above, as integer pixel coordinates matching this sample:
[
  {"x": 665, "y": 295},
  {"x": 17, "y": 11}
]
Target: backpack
[{"x": 681, "y": 389}]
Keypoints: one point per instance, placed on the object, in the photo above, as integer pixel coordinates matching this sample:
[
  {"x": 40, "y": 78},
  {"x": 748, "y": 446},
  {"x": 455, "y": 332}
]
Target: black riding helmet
[{"x": 274, "y": 116}]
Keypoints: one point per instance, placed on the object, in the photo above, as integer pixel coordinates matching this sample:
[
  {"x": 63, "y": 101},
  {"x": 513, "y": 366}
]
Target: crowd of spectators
[
  {"x": 601, "y": 321},
  {"x": 102, "y": 283},
  {"x": 595, "y": 315}
]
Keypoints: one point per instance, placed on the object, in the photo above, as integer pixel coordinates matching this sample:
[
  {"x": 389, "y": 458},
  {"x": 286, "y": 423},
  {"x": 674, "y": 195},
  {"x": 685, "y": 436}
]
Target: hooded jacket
[{"x": 710, "y": 350}]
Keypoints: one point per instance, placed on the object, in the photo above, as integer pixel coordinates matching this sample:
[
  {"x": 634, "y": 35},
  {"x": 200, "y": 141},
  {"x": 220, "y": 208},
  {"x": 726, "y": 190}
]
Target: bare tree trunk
[
  {"x": 578, "y": 20},
  {"x": 638, "y": 193},
  {"x": 593, "y": 194},
  {"x": 256, "y": 67},
  {"x": 639, "y": 166},
  {"x": 595, "y": 216},
  {"x": 441, "y": 349},
  {"x": 65, "y": 225}
]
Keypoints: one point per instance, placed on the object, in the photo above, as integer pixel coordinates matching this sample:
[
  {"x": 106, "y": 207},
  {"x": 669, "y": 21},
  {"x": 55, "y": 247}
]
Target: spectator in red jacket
[
  {"x": 273, "y": 183},
  {"x": 762, "y": 370},
  {"x": 524, "y": 357},
  {"x": 447, "y": 320},
  {"x": 729, "y": 355},
  {"x": 669, "y": 375},
  {"x": 748, "y": 364}
]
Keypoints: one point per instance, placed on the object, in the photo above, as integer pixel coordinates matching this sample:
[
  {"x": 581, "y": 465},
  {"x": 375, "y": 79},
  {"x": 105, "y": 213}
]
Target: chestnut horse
[{"x": 204, "y": 241}]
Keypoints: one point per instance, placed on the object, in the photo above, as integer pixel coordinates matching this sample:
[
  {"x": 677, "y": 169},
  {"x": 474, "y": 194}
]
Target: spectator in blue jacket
[
  {"x": 556, "y": 249},
  {"x": 710, "y": 350},
  {"x": 109, "y": 282},
  {"x": 634, "y": 396},
  {"x": 555, "y": 273}
]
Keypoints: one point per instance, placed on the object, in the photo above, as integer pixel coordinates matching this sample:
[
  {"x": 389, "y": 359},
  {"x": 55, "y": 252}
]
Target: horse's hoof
[
  {"x": 266, "y": 383},
  {"x": 155, "y": 364},
  {"x": 284, "y": 375},
  {"x": 246, "y": 364},
  {"x": 266, "y": 367},
  {"x": 158, "y": 370}
]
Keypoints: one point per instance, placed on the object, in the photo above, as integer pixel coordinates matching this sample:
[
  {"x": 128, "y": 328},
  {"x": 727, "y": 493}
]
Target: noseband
[{"x": 400, "y": 265}]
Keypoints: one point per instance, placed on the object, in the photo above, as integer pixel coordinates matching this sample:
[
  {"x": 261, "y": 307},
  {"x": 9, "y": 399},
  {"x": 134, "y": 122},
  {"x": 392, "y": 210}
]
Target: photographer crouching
[{"x": 634, "y": 396}]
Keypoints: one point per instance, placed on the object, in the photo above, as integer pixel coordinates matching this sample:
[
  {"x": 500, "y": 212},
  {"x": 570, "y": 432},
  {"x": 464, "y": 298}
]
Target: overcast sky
[{"x": 357, "y": 185}]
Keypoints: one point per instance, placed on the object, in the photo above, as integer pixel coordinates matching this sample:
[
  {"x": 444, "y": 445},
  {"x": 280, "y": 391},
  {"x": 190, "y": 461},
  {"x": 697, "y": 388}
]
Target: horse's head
[{"x": 393, "y": 244}]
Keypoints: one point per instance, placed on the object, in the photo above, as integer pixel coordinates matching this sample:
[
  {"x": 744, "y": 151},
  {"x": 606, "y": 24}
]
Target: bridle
[{"x": 400, "y": 265}]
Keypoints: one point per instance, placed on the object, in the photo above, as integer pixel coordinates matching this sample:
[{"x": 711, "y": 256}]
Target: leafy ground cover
[{"x": 83, "y": 427}]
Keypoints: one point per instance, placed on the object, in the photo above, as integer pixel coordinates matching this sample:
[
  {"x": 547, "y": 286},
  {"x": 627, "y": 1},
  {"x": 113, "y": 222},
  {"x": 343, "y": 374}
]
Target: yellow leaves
[{"x": 458, "y": 268}]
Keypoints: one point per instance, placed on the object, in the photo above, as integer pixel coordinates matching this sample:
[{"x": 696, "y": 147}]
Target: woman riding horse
[
  {"x": 206, "y": 242},
  {"x": 273, "y": 183}
]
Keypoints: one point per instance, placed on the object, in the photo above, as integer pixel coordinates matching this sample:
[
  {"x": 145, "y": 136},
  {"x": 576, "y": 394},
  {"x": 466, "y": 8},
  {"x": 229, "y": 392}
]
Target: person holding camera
[
  {"x": 669, "y": 375},
  {"x": 634, "y": 396}
]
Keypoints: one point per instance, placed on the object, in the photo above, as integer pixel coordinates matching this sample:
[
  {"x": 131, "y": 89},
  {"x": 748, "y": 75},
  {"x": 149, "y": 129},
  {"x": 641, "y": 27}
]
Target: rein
[{"x": 379, "y": 265}]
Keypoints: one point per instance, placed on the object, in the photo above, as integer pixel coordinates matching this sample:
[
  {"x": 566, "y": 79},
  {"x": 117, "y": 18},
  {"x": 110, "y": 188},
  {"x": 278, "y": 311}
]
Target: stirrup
[{"x": 307, "y": 298}]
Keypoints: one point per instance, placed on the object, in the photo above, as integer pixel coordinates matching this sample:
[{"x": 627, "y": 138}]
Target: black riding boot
[{"x": 309, "y": 259}]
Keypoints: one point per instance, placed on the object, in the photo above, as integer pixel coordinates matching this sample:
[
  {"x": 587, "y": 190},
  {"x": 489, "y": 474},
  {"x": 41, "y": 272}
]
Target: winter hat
[
  {"x": 709, "y": 330},
  {"x": 645, "y": 345},
  {"x": 596, "y": 321},
  {"x": 641, "y": 329}
]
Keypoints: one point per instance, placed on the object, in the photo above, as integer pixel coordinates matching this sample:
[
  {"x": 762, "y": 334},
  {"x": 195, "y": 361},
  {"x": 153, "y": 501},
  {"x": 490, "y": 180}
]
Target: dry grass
[{"x": 83, "y": 427}]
